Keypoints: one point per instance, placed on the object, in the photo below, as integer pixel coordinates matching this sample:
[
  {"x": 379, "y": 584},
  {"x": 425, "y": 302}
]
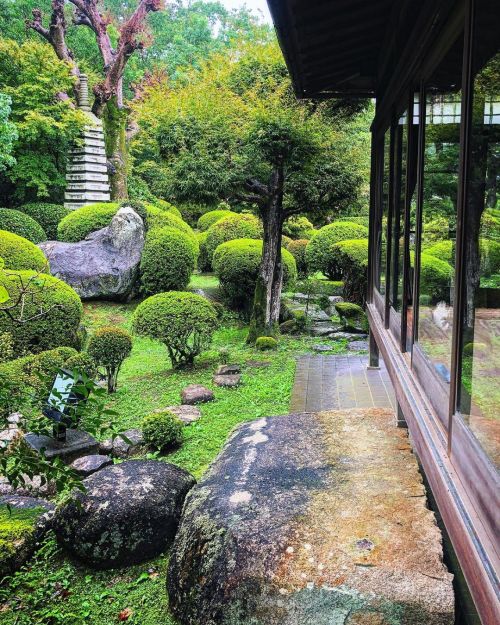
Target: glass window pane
[
  {"x": 439, "y": 204},
  {"x": 412, "y": 192},
  {"x": 386, "y": 174},
  {"x": 480, "y": 376}
]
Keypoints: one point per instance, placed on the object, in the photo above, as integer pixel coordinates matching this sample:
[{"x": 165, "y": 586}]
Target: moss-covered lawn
[{"x": 55, "y": 590}]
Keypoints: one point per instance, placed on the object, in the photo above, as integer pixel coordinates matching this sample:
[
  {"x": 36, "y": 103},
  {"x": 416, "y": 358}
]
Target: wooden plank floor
[{"x": 336, "y": 382}]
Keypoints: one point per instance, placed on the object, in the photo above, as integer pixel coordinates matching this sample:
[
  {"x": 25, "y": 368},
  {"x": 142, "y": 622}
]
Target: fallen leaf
[{"x": 124, "y": 615}]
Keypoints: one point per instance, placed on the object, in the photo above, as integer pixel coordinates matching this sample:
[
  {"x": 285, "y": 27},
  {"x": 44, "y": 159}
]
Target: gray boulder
[
  {"x": 106, "y": 263},
  {"x": 129, "y": 513},
  {"x": 196, "y": 394},
  {"x": 86, "y": 465}
]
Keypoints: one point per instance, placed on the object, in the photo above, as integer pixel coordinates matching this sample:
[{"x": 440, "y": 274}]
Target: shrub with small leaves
[
  {"x": 47, "y": 215},
  {"x": 264, "y": 343},
  {"x": 6, "y": 347},
  {"x": 82, "y": 363},
  {"x": 231, "y": 228},
  {"x": 163, "y": 430},
  {"x": 19, "y": 254},
  {"x": 298, "y": 227},
  {"x": 21, "y": 224},
  {"x": 298, "y": 250},
  {"x": 109, "y": 347},
  {"x": 319, "y": 252},
  {"x": 212, "y": 217}
]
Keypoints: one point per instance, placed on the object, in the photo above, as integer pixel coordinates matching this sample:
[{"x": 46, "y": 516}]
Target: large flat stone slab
[
  {"x": 311, "y": 519},
  {"x": 77, "y": 443}
]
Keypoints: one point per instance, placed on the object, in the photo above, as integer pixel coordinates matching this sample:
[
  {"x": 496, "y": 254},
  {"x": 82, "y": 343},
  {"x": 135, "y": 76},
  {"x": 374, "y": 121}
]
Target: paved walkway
[{"x": 338, "y": 382}]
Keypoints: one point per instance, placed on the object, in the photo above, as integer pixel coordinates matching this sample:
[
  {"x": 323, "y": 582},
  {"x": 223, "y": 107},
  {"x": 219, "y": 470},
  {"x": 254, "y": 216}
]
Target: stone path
[{"x": 334, "y": 382}]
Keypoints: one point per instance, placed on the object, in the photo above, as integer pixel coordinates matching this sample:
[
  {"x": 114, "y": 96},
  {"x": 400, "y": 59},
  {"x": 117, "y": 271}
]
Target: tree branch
[{"x": 258, "y": 188}]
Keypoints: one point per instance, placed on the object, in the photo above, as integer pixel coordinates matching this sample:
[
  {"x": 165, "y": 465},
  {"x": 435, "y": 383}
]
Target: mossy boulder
[
  {"x": 266, "y": 343},
  {"x": 353, "y": 317}
]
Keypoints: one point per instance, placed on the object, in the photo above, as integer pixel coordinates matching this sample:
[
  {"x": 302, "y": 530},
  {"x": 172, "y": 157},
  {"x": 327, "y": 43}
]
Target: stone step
[
  {"x": 96, "y": 143},
  {"x": 96, "y": 196},
  {"x": 94, "y": 133},
  {"x": 96, "y": 167},
  {"x": 87, "y": 176},
  {"x": 87, "y": 186},
  {"x": 88, "y": 158},
  {"x": 87, "y": 150},
  {"x": 311, "y": 519}
]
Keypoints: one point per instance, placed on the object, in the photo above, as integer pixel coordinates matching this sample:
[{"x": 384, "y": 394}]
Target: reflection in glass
[
  {"x": 412, "y": 193},
  {"x": 439, "y": 203},
  {"x": 480, "y": 382},
  {"x": 386, "y": 175}
]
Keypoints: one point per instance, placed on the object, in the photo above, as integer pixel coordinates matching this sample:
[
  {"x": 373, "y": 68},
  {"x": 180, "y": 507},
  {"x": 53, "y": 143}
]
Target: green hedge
[
  {"x": 231, "y": 228},
  {"x": 166, "y": 207},
  {"x": 22, "y": 225},
  {"x": 435, "y": 278},
  {"x": 184, "y": 322},
  {"x": 20, "y": 254},
  {"x": 47, "y": 215},
  {"x": 319, "y": 252},
  {"x": 298, "y": 228},
  {"x": 444, "y": 250},
  {"x": 212, "y": 217},
  {"x": 204, "y": 263},
  {"x": 351, "y": 258},
  {"x": 158, "y": 218},
  {"x": 81, "y": 222},
  {"x": 168, "y": 260},
  {"x": 298, "y": 250},
  {"x": 60, "y": 304},
  {"x": 236, "y": 264}
]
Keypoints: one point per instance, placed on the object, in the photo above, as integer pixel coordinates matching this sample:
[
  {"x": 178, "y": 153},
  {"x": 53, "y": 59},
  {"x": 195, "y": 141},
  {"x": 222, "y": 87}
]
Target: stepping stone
[
  {"x": 87, "y": 465},
  {"x": 350, "y": 336},
  {"x": 106, "y": 447},
  {"x": 122, "y": 449},
  {"x": 322, "y": 329},
  {"x": 358, "y": 346},
  {"x": 322, "y": 348},
  {"x": 187, "y": 414},
  {"x": 323, "y": 521},
  {"x": 77, "y": 443},
  {"x": 228, "y": 370},
  {"x": 229, "y": 381},
  {"x": 196, "y": 394},
  {"x": 318, "y": 315}
]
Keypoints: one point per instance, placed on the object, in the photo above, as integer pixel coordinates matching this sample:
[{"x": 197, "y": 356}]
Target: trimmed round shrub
[
  {"x": 264, "y": 343},
  {"x": 163, "y": 430},
  {"x": 52, "y": 312},
  {"x": 83, "y": 363},
  {"x": 285, "y": 241},
  {"x": 204, "y": 263},
  {"x": 362, "y": 220},
  {"x": 444, "y": 250},
  {"x": 298, "y": 250},
  {"x": 47, "y": 215},
  {"x": 236, "y": 264},
  {"x": 490, "y": 257},
  {"x": 167, "y": 207},
  {"x": 20, "y": 254},
  {"x": 184, "y": 322},
  {"x": 168, "y": 260},
  {"x": 212, "y": 217},
  {"x": 319, "y": 254},
  {"x": 109, "y": 347},
  {"x": 351, "y": 258},
  {"x": 231, "y": 228},
  {"x": 79, "y": 223},
  {"x": 22, "y": 225},
  {"x": 298, "y": 227},
  {"x": 158, "y": 218},
  {"x": 435, "y": 278}
]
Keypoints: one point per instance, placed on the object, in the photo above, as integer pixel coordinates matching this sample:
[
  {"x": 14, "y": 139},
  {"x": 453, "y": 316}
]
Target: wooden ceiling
[{"x": 333, "y": 47}]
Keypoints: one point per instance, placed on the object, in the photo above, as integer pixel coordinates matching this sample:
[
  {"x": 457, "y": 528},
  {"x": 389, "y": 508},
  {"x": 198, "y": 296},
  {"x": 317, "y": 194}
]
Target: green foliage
[
  {"x": 8, "y": 133},
  {"x": 16, "y": 525},
  {"x": 52, "y": 312},
  {"x": 444, "y": 250},
  {"x": 231, "y": 228},
  {"x": 168, "y": 260},
  {"x": 204, "y": 262},
  {"x": 80, "y": 223},
  {"x": 158, "y": 218},
  {"x": 32, "y": 76},
  {"x": 209, "y": 219},
  {"x": 236, "y": 264},
  {"x": 362, "y": 220},
  {"x": 166, "y": 206},
  {"x": 139, "y": 207},
  {"x": 435, "y": 278},
  {"x": 163, "y": 430},
  {"x": 351, "y": 257},
  {"x": 490, "y": 257},
  {"x": 82, "y": 363},
  {"x": 184, "y": 322},
  {"x": 6, "y": 347},
  {"x": 18, "y": 253},
  {"x": 298, "y": 250},
  {"x": 22, "y": 225},
  {"x": 319, "y": 252},
  {"x": 352, "y": 316},
  {"x": 47, "y": 215},
  {"x": 109, "y": 347},
  {"x": 264, "y": 343},
  {"x": 298, "y": 227}
]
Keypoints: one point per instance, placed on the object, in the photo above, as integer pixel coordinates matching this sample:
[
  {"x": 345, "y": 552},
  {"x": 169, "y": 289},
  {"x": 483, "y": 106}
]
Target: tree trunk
[
  {"x": 115, "y": 125},
  {"x": 267, "y": 298}
]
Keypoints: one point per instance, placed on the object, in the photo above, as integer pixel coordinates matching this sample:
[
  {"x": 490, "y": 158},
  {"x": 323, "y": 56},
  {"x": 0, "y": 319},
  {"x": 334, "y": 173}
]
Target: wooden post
[{"x": 373, "y": 362}]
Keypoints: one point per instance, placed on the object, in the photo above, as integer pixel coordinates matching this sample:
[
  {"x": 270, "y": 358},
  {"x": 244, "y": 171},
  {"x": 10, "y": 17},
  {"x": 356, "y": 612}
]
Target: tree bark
[
  {"x": 267, "y": 297},
  {"x": 115, "y": 139}
]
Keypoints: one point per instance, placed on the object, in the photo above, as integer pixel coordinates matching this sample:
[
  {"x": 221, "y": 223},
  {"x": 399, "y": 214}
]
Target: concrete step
[{"x": 311, "y": 519}]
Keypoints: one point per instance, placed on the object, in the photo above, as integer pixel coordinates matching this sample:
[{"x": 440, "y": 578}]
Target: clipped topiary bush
[
  {"x": 444, "y": 250},
  {"x": 168, "y": 260},
  {"x": 352, "y": 316},
  {"x": 319, "y": 251},
  {"x": 80, "y": 223},
  {"x": 47, "y": 215},
  {"x": 212, "y": 217},
  {"x": 298, "y": 250},
  {"x": 109, "y": 347},
  {"x": 163, "y": 430},
  {"x": 298, "y": 227},
  {"x": 51, "y": 310},
  {"x": 82, "y": 363},
  {"x": 167, "y": 207},
  {"x": 204, "y": 263},
  {"x": 435, "y": 278},
  {"x": 20, "y": 254},
  {"x": 236, "y": 264},
  {"x": 231, "y": 228},
  {"x": 362, "y": 220},
  {"x": 264, "y": 343},
  {"x": 184, "y": 322},
  {"x": 22, "y": 225},
  {"x": 351, "y": 257}
]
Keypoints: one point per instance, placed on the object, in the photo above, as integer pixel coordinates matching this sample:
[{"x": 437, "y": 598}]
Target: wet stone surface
[
  {"x": 196, "y": 394},
  {"x": 311, "y": 519}
]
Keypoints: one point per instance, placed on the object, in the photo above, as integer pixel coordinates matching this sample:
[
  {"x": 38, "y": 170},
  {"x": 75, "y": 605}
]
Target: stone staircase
[{"x": 87, "y": 172}]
